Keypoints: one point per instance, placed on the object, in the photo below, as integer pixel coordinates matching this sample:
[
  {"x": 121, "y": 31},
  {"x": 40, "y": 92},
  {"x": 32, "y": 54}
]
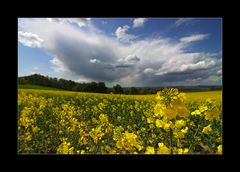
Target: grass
[{"x": 38, "y": 87}]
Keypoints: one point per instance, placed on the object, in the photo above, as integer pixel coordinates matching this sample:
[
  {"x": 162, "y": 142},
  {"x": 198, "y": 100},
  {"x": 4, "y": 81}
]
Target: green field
[{"x": 38, "y": 87}]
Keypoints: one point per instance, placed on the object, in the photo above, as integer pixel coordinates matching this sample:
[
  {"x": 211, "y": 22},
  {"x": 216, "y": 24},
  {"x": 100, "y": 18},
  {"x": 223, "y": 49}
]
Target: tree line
[
  {"x": 99, "y": 87},
  {"x": 36, "y": 79}
]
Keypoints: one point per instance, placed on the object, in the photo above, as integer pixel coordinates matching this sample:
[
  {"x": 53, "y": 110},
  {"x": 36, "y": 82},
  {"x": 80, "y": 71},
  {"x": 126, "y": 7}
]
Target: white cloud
[
  {"x": 183, "y": 21},
  {"x": 59, "y": 66},
  {"x": 148, "y": 62},
  {"x": 122, "y": 35},
  {"x": 58, "y": 20},
  {"x": 148, "y": 71},
  {"x": 193, "y": 38},
  {"x": 94, "y": 61},
  {"x": 139, "y": 22},
  {"x": 219, "y": 72},
  {"x": 132, "y": 59},
  {"x": 29, "y": 39},
  {"x": 198, "y": 65},
  {"x": 79, "y": 21}
]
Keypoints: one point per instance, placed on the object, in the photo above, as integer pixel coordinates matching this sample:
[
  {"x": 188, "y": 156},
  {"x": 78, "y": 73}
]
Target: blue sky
[{"x": 126, "y": 51}]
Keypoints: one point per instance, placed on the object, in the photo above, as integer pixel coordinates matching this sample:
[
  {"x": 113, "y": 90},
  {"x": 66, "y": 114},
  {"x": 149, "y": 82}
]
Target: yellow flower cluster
[
  {"x": 89, "y": 123},
  {"x": 150, "y": 150},
  {"x": 129, "y": 142},
  {"x": 207, "y": 129},
  {"x": 163, "y": 149},
  {"x": 65, "y": 147},
  {"x": 219, "y": 149},
  {"x": 170, "y": 104},
  {"x": 182, "y": 151},
  {"x": 96, "y": 134},
  {"x": 209, "y": 110}
]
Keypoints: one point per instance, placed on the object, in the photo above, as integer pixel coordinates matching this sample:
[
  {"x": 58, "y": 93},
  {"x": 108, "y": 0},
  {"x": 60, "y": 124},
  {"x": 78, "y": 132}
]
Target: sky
[{"x": 127, "y": 51}]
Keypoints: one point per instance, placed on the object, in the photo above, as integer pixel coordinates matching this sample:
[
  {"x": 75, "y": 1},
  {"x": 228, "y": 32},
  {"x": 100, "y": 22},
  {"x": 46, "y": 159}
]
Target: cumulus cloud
[
  {"x": 130, "y": 59},
  {"x": 139, "y": 22},
  {"x": 198, "y": 65},
  {"x": 29, "y": 39},
  {"x": 150, "y": 62},
  {"x": 183, "y": 21},
  {"x": 193, "y": 38},
  {"x": 148, "y": 71},
  {"x": 122, "y": 35}
]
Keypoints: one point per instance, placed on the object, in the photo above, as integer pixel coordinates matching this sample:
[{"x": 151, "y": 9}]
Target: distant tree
[
  {"x": 133, "y": 90},
  {"x": 212, "y": 88},
  {"x": 77, "y": 87},
  {"x": 109, "y": 90},
  {"x": 37, "y": 79},
  {"x": 101, "y": 87},
  {"x": 117, "y": 89},
  {"x": 22, "y": 80}
]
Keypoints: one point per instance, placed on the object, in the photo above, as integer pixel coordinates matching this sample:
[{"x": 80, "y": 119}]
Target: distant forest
[{"x": 100, "y": 87}]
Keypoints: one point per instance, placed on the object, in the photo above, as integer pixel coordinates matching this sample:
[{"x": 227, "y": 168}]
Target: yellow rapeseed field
[
  {"x": 171, "y": 122},
  {"x": 215, "y": 95}
]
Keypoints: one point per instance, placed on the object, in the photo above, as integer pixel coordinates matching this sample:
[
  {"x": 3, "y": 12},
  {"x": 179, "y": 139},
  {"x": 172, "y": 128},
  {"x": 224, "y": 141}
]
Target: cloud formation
[
  {"x": 183, "y": 21},
  {"x": 94, "y": 61},
  {"x": 122, "y": 35},
  {"x": 29, "y": 39},
  {"x": 139, "y": 22},
  {"x": 193, "y": 38},
  {"x": 149, "y": 62},
  {"x": 79, "y": 21}
]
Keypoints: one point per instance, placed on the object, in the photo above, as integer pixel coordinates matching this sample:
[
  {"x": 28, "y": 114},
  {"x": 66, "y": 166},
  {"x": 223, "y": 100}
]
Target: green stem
[
  {"x": 193, "y": 138},
  {"x": 195, "y": 135},
  {"x": 171, "y": 134}
]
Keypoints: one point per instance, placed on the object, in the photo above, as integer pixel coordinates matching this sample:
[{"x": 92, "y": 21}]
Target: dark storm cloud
[
  {"x": 183, "y": 78},
  {"x": 77, "y": 56}
]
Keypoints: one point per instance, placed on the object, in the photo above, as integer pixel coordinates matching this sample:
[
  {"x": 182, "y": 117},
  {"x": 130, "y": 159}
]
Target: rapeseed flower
[
  {"x": 150, "y": 150},
  {"x": 219, "y": 149},
  {"x": 150, "y": 120},
  {"x": 162, "y": 149},
  {"x": 185, "y": 130},
  {"x": 65, "y": 147},
  {"x": 159, "y": 123},
  {"x": 179, "y": 135},
  {"x": 101, "y": 123},
  {"x": 180, "y": 123},
  {"x": 207, "y": 129},
  {"x": 103, "y": 118},
  {"x": 183, "y": 151}
]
